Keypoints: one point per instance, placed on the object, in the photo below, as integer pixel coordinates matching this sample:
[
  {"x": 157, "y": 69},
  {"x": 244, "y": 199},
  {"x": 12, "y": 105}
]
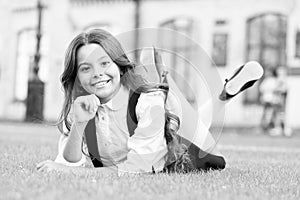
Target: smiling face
[{"x": 97, "y": 73}]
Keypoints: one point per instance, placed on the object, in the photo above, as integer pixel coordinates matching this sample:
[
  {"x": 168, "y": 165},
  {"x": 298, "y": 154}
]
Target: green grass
[{"x": 258, "y": 167}]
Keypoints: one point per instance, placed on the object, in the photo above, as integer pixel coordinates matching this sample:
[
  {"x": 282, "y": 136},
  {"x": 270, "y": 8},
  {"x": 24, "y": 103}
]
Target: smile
[{"x": 101, "y": 84}]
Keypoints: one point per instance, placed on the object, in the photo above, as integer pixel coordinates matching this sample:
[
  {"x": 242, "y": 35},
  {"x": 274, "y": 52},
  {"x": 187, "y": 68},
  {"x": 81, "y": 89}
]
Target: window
[
  {"x": 181, "y": 51},
  {"x": 26, "y": 45},
  {"x": 266, "y": 43},
  {"x": 297, "y": 51},
  {"x": 219, "y": 52}
]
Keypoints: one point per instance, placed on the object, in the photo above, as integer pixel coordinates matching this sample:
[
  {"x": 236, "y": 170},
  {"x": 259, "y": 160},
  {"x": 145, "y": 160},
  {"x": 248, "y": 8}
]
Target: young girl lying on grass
[{"x": 118, "y": 119}]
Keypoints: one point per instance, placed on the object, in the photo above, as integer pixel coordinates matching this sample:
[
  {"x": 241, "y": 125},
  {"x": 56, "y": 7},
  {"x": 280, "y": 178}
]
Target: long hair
[
  {"x": 177, "y": 157},
  {"x": 70, "y": 83}
]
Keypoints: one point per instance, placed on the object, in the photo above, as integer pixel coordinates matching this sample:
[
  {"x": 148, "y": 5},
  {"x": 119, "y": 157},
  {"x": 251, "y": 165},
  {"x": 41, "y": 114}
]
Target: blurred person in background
[
  {"x": 280, "y": 94},
  {"x": 267, "y": 88},
  {"x": 274, "y": 90}
]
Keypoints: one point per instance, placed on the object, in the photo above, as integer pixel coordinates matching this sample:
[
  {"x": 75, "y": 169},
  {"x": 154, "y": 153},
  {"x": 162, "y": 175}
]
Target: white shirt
[
  {"x": 267, "y": 88},
  {"x": 145, "y": 150}
]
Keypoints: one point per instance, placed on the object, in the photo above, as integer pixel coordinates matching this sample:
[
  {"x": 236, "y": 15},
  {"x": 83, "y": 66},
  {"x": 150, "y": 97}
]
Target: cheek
[
  {"x": 84, "y": 84},
  {"x": 83, "y": 78},
  {"x": 114, "y": 72}
]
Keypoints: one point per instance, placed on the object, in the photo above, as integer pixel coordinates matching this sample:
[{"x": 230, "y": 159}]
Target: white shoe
[{"x": 243, "y": 78}]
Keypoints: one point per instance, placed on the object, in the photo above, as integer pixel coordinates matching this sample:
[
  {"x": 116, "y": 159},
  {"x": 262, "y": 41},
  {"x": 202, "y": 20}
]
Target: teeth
[{"x": 101, "y": 84}]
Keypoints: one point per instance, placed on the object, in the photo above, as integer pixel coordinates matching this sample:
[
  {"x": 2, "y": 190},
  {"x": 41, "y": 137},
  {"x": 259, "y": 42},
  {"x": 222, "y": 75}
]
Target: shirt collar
[{"x": 119, "y": 100}]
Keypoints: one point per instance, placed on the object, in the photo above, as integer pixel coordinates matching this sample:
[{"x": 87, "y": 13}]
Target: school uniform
[{"x": 144, "y": 151}]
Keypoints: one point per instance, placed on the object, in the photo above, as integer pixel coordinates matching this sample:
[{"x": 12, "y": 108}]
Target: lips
[{"x": 101, "y": 84}]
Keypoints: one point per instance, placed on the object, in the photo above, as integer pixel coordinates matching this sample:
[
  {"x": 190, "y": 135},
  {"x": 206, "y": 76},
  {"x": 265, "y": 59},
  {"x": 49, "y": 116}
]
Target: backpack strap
[
  {"x": 91, "y": 141},
  {"x": 132, "y": 102},
  {"x": 131, "y": 115},
  {"x": 90, "y": 129}
]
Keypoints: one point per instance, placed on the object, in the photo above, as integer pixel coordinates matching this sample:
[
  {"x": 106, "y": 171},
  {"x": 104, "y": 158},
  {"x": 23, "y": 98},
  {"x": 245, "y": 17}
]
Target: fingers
[
  {"x": 85, "y": 107},
  {"x": 158, "y": 60},
  {"x": 43, "y": 168},
  {"x": 161, "y": 68},
  {"x": 157, "y": 56},
  {"x": 92, "y": 108},
  {"x": 86, "y": 104},
  {"x": 42, "y": 164},
  {"x": 90, "y": 103},
  {"x": 47, "y": 168},
  {"x": 94, "y": 103}
]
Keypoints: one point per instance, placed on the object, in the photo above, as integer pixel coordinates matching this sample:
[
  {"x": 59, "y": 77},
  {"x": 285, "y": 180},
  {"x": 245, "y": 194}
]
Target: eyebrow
[
  {"x": 102, "y": 57},
  {"x": 86, "y": 63},
  {"x": 83, "y": 63}
]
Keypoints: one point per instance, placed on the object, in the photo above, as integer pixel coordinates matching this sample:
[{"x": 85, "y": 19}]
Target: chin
[{"x": 103, "y": 94}]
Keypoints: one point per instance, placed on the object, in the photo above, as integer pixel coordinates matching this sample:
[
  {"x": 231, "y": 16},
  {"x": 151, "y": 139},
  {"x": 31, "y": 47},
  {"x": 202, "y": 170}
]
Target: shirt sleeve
[
  {"x": 60, "y": 158},
  {"x": 147, "y": 147}
]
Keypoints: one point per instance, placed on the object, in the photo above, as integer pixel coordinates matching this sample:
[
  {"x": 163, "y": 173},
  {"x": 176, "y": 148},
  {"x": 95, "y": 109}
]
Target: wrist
[
  {"x": 80, "y": 124},
  {"x": 79, "y": 120},
  {"x": 78, "y": 128}
]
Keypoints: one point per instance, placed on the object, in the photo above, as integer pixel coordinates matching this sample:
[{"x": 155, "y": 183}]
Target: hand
[
  {"x": 49, "y": 166},
  {"x": 85, "y": 107},
  {"x": 160, "y": 67}
]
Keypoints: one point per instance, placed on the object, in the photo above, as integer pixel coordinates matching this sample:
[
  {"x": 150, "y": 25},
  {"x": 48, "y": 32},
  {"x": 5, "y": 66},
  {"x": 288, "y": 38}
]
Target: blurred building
[{"x": 231, "y": 32}]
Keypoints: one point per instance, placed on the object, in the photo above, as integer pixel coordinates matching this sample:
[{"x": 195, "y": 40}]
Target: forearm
[
  {"x": 50, "y": 165},
  {"x": 72, "y": 151},
  {"x": 112, "y": 170}
]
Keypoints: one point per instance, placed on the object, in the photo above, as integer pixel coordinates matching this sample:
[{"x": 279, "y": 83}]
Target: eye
[
  {"x": 105, "y": 63},
  {"x": 84, "y": 68}
]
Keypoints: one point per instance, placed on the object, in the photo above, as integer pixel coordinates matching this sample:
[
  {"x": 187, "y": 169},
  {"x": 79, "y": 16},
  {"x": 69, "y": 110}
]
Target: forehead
[{"x": 90, "y": 52}]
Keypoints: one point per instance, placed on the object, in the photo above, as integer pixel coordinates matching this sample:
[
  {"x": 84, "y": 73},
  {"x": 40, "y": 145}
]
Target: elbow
[{"x": 71, "y": 158}]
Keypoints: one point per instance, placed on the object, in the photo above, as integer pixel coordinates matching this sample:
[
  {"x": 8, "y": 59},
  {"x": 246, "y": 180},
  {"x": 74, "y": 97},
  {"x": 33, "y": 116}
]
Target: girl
[{"x": 99, "y": 84}]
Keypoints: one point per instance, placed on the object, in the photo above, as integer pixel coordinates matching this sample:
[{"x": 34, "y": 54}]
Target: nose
[{"x": 98, "y": 71}]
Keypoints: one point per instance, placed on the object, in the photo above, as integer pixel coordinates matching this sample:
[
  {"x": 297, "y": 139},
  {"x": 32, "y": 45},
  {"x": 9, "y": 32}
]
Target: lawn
[{"x": 258, "y": 167}]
